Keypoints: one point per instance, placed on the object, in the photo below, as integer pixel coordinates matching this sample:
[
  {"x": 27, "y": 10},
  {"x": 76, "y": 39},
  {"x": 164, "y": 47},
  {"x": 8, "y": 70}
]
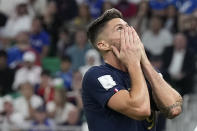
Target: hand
[
  {"x": 130, "y": 52},
  {"x": 144, "y": 58}
]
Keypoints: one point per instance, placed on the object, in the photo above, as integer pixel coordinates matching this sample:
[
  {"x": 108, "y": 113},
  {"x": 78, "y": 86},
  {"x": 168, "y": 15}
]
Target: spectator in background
[
  {"x": 4, "y": 42},
  {"x": 15, "y": 53},
  {"x": 20, "y": 21},
  {"x": 92, "y": 58},
  {"x": 180, "y": 64},
  {"x": 28, "y": 102},
  {"x": 41, "y": 122},
  {"x": 64, "y": 42},
  {"x": 156, "y": 38},
  {"x": 95, "y": 7},
  {"x": 83, "y": 18},
  {"x": 29, "y": 72},
  {"x": 140, "y": 22},
  {"x": 191, "y": 33},
  {"x": 158, "y": 7},
  {"x": 3, "y": 19},
  {"x": 61, "y": 110},
  {"x": 188, "y": 6},
  {"x": 52, "y": 22},
  {"x": 39, "y": 38},
  {"x": 6, "y": 75},
  {"x": 157, "y": 63},
  {"x": 66, "y": 73},
  {"x": 67, "y": 9},
  {"x": 37, "y": 6},
  {"x": 77, "y": 87},
  {"x": 45, "y": 88},
  {"x": 7, "y": 7},
  {"x": 171, "y": 22},
  {"x": 78, "y": 50},
  {"x": 34, "y": 6},
  {"x": 127, "y": 8},
  {"x": 10, "y": 119},
  {"x": 106, "y": 5}
]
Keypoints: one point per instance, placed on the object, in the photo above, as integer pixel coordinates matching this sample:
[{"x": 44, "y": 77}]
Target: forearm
[
  {"x": 167, "y": 99},
  {"x": 44, "y": 51},
  {"x": 139, "y": 91}
]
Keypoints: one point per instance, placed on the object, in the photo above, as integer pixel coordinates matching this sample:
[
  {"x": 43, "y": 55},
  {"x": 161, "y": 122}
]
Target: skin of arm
[
  {"x": 136, "y": 103},
  {"x": 168, "y": 100},
  {"x": 44, "y": 51},
  {"x": 31, "y": 110}
]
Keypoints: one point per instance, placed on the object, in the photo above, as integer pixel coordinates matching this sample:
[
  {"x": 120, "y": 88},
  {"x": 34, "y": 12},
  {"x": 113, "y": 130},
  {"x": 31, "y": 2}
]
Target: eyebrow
[{"x": 120, "y": 25}]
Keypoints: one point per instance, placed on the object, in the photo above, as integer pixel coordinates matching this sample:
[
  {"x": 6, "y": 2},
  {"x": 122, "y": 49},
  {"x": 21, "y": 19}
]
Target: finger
[
  {"x": 137, "y": 39},
  {"x": 130, "y": 35},
  {"x": 134, "y": 36},
  {"x": 115, "y": 51},
  {"x": 122, "y": 39},
  {"x": 127, "y": 36}
]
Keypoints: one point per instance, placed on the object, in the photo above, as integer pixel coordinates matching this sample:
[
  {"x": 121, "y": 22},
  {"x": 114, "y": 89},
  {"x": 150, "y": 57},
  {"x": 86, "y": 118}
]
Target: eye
[{"x": 119, "y": 28}]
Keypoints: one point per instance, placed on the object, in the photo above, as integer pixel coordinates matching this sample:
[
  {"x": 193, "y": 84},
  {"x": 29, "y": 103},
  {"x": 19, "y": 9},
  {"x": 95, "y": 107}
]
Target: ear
[{"x": 103, "y": 45}]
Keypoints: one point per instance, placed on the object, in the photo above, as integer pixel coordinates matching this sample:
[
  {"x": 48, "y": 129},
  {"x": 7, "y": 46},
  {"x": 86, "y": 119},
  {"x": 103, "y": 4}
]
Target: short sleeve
[{"x": 100, "y": 84}]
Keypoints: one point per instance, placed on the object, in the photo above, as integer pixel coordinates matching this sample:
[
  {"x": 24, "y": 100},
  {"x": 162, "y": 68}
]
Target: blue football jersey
[{"x": 100, "y": 83}]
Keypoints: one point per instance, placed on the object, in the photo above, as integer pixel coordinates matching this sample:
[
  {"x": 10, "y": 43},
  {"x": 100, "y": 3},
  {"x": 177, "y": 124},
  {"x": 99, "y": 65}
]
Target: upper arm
[
  {"x": 101, "y": 86},
  {"x": 122, "y": 103}
]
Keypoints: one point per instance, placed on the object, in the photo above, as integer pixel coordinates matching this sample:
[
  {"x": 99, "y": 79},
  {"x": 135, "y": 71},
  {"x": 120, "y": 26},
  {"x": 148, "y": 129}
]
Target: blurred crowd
[{"x": 44, "y": 53}]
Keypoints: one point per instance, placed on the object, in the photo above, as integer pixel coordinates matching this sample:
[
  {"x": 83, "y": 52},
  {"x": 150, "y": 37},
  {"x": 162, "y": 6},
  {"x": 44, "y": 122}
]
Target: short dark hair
[
  {"x": 66, "y": 58},
  {"x": 46, "y": 72},
  {"x": 96, "y": 27},
  {"x": 3, "y": 53}
]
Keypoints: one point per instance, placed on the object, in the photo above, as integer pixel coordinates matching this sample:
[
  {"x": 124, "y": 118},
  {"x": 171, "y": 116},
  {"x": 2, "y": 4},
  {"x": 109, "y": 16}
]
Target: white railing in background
[{"x": 38, "y": 128}]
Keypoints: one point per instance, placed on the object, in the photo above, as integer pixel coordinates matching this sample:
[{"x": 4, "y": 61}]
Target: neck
[{"x": 112, "y": 60}]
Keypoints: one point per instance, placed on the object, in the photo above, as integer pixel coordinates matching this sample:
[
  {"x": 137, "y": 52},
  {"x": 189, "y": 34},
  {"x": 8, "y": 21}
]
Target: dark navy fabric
[{"x": 95, "y": 98}]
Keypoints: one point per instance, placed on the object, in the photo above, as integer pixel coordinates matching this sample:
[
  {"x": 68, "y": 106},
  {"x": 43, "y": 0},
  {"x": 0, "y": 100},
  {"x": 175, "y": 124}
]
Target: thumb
[{"x": 115, "y": 51}]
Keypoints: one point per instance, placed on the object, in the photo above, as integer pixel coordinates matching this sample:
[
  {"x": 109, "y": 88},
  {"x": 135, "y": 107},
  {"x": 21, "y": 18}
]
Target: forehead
[{"x": 116, "y": 21}]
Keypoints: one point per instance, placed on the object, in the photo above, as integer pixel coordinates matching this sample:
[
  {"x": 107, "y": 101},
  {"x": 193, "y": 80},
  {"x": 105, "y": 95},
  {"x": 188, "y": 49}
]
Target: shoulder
[
  {"x": 19, "y": 101},
  {"x": 50, "y": 106},
  {"x": 166, "y": 33},
  {"x": 37, "y": 69},
  {"x": 20, "y": 98},
  {"x": 13, "y": 48},
  {"x": 97, "y": 75},
  {"x": 69, "y": 106},
  {"x": 44, "y": 34},
  {"x": 36, "y": 99},
  {"x": 71, "y": 49},
  {"x": 97, "y": 71},
  {"x": 146, "y": 35},
  {"x": 21, "y": 71}
]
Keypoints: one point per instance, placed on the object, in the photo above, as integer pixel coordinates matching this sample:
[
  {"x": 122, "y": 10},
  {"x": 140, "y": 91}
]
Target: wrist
[
  {"x": 145, "y": 62},
  {"x": 132, "y": 67},
  {"x": 133, "y": 64}
]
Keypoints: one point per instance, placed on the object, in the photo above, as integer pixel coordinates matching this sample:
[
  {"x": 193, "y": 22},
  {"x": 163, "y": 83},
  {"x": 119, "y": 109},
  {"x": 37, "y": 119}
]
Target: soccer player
[{"x": 115, "y": 95}]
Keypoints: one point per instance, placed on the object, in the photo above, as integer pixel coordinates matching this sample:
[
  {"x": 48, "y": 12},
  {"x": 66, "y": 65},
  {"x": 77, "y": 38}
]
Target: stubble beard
[{"x": 116, "y": 43}]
